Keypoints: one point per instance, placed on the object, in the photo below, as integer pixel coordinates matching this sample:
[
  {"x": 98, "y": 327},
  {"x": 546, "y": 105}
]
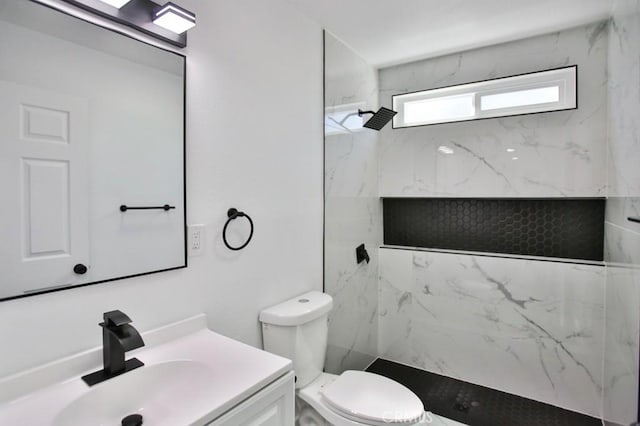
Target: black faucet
[{"x": 118, "y": 337}]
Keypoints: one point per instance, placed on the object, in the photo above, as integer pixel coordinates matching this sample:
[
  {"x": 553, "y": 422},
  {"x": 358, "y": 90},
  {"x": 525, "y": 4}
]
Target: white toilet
[{"x": 297, "y": 329}]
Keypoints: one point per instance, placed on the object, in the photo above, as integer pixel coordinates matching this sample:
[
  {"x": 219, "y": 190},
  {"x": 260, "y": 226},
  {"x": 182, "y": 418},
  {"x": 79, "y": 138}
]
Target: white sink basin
[
  {"x": 191, "y": 377},
  {"x": 161, "y": 393}
]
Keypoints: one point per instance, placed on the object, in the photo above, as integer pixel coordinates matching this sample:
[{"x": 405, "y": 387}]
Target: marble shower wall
[
  {"x": 622, "y": 238},
  {"x": 620, "y": 381},
  {"x": 352, "y": 209},
  {"x": 528, "y": 327},
  {"x": 537, "y": 329},
  {"x": 624, "y": 100},
  {"x": 522, "y": 326},
  {"x": 558, "y": 154}
]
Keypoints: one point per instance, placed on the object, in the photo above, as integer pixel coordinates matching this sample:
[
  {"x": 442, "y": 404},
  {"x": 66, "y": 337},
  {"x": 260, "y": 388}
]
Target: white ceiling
[{"x": 388, "y": 32}]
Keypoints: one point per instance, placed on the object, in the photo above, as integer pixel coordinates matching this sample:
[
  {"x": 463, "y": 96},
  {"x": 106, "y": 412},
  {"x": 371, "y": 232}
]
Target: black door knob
[
  {"x": 132, "y": 420},
  {"x": 80, "y": 269}
]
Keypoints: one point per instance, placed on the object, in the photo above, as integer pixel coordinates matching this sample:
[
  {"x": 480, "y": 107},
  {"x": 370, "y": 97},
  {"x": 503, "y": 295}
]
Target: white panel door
[{"x": 44, "y": 183}]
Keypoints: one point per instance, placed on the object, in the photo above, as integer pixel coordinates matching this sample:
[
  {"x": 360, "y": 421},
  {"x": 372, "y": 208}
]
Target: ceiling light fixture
[
  {"x": 168, "y": 23},
  {"x": 174, "y": 18}
]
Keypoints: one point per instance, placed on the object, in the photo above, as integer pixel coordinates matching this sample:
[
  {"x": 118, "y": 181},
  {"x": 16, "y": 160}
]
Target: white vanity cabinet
[{"x": 272, "y": 406}]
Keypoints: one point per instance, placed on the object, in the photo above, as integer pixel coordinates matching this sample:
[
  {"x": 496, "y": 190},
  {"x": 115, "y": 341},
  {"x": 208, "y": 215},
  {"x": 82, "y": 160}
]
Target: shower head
[{"x": 379, "y": 119}]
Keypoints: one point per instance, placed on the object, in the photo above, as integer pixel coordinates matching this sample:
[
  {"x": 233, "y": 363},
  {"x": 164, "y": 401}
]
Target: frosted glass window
[
  {"x": 519, "y": 98},
  {"x": 438, "y": 109},
  {"x": 543, "y": 91}
]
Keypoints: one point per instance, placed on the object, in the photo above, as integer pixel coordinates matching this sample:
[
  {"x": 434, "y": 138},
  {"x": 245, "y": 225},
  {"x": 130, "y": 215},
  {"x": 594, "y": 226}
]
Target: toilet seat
[
  {"x": 312, "y": 394},
  {"x": 371, "y": 398}
]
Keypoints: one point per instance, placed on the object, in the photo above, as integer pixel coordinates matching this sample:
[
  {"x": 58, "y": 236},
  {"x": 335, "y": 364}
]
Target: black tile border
[
  {"x": 563, "y": 228},
  {"x": 477, "y": 405}
]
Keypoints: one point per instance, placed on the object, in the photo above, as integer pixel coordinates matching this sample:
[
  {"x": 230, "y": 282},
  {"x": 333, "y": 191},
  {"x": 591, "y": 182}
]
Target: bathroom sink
[
  {"x": 163, "y": 393},
  {"x": 191, "y": 377}
]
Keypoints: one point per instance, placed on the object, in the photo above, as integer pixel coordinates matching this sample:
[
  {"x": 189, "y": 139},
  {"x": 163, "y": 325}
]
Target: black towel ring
[{"x": 233, "y": 214}]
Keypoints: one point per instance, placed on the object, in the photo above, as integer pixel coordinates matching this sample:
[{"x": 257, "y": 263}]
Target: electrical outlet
[{"x": 196, "y": 240}]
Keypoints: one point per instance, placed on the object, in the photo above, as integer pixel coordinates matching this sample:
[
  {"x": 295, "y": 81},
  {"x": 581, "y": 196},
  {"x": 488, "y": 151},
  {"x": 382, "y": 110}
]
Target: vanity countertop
[{"x": 236, "y": 371}]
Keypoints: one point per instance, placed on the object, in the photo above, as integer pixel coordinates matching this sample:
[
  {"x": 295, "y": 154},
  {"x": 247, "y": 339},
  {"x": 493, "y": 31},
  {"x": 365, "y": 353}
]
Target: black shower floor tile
[{"x": 476, "y": 405}]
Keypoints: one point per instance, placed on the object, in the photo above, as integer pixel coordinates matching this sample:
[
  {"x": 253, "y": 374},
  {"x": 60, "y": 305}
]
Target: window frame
[{"x": 568, "y": 96}]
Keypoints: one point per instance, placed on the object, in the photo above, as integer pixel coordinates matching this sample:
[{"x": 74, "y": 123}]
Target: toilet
[{"x": 297, "y": 329}]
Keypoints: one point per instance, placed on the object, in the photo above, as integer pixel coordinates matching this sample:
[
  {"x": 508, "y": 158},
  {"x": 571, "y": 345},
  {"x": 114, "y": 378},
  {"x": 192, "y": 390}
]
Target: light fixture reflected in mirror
[
  {"x": 115, "y": 3},
  {"x": 174, "y": 18}
]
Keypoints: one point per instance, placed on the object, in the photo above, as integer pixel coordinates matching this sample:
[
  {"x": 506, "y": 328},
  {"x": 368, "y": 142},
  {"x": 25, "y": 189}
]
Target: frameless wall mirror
[{"x": 91, "y": 120}]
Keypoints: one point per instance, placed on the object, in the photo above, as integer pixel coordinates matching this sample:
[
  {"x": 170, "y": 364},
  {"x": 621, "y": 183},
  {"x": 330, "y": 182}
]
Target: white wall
[{"x": 254, "y": 141}]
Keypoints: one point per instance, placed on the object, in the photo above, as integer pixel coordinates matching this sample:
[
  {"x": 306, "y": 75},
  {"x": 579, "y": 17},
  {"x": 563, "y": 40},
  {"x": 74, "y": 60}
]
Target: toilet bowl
[
  {"x": 297, "y": 329},
  {"x": 360, "y": 402}
]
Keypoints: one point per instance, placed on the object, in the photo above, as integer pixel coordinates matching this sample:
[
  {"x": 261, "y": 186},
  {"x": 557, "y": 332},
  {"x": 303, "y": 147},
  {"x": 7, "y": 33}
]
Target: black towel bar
[{"x": 166, "y": 207}]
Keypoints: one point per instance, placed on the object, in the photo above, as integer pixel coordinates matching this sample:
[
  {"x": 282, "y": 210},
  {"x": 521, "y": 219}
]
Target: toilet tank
[{"x": 297, "y": 329}]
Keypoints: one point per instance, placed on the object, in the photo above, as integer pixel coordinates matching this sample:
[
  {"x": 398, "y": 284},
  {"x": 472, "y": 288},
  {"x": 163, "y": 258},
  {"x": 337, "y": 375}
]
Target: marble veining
[
  {"x": 621, "y": 345},
  {"x": 624, "y": 99},
  {"x": 530, "y": 326},
  {"x": 521, "y": 156}
]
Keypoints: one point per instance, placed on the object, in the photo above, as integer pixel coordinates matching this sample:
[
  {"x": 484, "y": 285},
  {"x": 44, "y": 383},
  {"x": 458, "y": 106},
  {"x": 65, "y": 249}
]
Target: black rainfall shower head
[{"x": 379, "y": 119}]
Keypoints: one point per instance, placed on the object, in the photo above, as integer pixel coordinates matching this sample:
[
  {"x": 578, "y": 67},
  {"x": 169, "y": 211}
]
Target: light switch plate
[{"x": 196, "y": 239}]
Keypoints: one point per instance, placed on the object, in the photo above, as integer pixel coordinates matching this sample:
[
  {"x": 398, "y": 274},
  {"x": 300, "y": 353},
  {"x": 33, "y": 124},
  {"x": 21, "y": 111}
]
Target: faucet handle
[{"x": 115, "y": 318}]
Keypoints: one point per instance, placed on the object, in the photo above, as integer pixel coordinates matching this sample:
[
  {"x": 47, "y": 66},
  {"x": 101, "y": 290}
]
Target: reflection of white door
[{"x": 44, "y": 163}]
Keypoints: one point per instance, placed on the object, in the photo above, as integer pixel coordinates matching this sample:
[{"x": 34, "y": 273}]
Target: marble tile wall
[
  {"x": 352, "y": 209},
  {"x": 521, "y": 326},
  {"x": 527, "y": 327},
  {"x": 622, "y": 238},
  {"x": 624, "y": 99},
  {"x": 557, "y": 154},
  {"x": 620, "y": 381}
]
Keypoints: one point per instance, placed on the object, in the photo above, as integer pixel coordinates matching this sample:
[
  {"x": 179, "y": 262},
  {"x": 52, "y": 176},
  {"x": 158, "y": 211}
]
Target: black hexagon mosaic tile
[
  {"x": 477, "y": 405},
  {"x": 561, "y": 228}
]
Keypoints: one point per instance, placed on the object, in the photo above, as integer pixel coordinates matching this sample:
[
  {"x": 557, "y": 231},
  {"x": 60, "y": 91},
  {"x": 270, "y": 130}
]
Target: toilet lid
[{"x": 372, "y": 397}]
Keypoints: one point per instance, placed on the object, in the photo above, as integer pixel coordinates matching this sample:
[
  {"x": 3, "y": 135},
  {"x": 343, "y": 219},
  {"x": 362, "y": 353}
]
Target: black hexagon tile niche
[{"x": 561, "y": 228}]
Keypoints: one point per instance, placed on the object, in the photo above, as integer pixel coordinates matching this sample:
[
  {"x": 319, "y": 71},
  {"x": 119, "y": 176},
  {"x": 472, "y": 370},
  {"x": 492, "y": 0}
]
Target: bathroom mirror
[{"x": 91, "y": 120}]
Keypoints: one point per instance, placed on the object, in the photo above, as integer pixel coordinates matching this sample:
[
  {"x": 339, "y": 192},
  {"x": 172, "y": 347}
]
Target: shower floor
[{"x": 476, "y": 405}]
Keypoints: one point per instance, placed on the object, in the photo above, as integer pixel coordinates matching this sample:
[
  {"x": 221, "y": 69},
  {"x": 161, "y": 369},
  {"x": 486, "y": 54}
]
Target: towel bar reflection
[{"x": 166, "y": 207}]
